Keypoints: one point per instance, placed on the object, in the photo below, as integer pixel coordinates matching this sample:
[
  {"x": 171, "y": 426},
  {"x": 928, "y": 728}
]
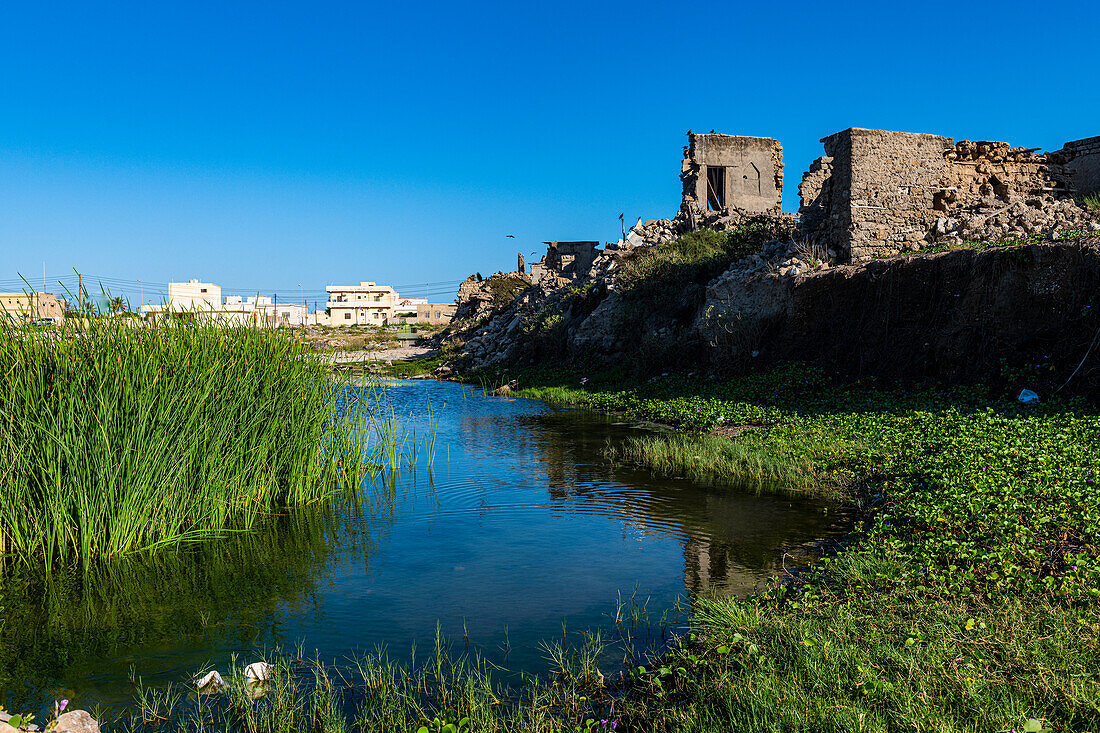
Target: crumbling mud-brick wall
[
  {"x": 729, "y": 172},
  {"x": 1081, "y": 162},
  {"x": 878, "y": 193}
]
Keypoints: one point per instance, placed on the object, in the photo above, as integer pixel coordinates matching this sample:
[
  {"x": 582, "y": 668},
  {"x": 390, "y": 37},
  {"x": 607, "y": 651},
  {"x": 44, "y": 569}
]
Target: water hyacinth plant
[{"x": 117, "y": 436}]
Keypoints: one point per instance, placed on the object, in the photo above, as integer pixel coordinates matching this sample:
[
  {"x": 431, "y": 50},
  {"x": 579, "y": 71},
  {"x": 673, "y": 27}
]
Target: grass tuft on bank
[
  {"x": 719, "y": 460},
  {"x": 118, "y": 437}
]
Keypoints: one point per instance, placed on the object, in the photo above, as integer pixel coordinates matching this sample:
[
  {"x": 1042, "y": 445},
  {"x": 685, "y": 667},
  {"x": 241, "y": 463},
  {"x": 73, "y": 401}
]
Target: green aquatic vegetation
[{"x": 118, "y": 438}]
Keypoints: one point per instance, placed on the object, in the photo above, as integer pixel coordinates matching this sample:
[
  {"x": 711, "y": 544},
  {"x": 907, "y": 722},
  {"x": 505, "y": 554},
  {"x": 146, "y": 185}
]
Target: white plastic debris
[
  {"x": 210, "y": 682},
  {"x": 258, "y": 671},
  {"x": 1028, "y": 397}
]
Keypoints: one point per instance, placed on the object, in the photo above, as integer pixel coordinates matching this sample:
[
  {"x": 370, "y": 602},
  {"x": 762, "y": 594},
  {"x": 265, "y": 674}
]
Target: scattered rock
[
  {"x": 258, "y": 671},
  {"x": 76, "y": 721},
  {"x": 210, "y": 682}
]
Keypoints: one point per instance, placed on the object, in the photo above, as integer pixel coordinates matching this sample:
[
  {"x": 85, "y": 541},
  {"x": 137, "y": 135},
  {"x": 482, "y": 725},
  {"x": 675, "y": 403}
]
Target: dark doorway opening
[{"x": 716, "y": 188}]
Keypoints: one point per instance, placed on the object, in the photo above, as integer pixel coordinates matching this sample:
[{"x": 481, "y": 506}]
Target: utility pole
[{"x": 80, "y": 290}]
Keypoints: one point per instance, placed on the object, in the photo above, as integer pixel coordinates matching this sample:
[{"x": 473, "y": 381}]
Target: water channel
[{"x": 520, "y": 529}]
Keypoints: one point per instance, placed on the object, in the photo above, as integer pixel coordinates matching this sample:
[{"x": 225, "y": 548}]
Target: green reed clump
[
  {"x": 117, "y": 437},
  {"x": 718, "y": 460}
]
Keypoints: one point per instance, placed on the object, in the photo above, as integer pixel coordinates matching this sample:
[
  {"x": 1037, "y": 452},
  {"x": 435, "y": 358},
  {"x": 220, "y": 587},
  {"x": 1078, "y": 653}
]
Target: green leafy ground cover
[{"x": 968, "y": 597}]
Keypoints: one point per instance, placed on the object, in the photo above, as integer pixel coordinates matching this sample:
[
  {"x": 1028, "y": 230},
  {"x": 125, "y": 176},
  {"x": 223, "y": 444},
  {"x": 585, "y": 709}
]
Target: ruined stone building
[
  {"x": 723, "y": 173},
  {"x": 877, "y": 193}
]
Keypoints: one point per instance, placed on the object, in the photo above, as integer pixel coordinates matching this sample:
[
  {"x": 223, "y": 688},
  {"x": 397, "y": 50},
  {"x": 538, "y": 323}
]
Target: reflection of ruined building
[
  {"x": 569, "y": 260},
  {"x": 877, "y": 193},
  {"x": 725, "y": 172}
]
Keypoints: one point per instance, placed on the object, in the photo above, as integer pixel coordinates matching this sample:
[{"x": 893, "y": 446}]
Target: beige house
[
  {"x": 33, "y": 306},
  {"x": 365, "y": 304},
  {"x": 435, "y": 313}
]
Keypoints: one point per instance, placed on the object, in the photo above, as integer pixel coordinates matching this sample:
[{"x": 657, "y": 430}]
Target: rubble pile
[
  {"x": 992, "y": 191},
  {"x": 478, "y": 296},
  {"x": 992, "y": 219}
]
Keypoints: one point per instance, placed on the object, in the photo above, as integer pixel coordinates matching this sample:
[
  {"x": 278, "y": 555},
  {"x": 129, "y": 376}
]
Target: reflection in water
[
  {"x": 182, "y": 606},
  {"x": 732, "y": 541},
  {"x": 520, "y": 527}
]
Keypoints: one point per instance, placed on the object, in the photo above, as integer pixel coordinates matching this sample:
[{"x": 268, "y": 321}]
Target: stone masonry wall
[
  {"x": 892, "y": 180},
  {"x": 982, "y": 169}
]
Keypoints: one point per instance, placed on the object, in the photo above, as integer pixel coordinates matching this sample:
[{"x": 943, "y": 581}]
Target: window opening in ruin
[{"x": 716, "y": 188}]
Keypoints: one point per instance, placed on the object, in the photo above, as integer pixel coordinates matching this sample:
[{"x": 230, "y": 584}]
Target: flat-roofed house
[
  {"x": 365, "y": 304},
  {"x": 435, "y": 313}
]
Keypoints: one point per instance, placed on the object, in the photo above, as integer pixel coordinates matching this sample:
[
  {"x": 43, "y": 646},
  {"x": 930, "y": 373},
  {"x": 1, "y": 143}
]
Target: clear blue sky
[{"x": 264, "y": 145}]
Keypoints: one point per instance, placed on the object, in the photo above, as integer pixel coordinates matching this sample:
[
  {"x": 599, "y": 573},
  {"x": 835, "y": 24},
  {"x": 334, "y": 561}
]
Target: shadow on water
[{"x": 517, "y": 535}]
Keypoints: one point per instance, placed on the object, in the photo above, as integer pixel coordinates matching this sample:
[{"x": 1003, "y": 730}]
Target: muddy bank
[{"x": 960, "y": 316}]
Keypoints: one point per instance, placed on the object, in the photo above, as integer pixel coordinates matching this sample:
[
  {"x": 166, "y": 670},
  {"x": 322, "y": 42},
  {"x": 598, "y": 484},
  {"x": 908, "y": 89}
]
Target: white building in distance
[{"x": 204, "y": 300}]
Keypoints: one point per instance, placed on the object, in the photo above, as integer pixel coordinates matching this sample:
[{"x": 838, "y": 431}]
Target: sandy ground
[{"x": 401, "y": 352}]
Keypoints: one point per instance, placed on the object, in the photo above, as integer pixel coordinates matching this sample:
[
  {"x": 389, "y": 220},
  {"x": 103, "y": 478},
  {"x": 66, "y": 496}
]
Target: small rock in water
[
  {"x": 258, "y": 671},
  {"x": 210, "y": 682},
  {"x": 76, "y": 721}
]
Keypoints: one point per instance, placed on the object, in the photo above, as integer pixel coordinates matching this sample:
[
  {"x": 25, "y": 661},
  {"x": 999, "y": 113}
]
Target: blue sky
[{"x": 263, "y": 145}]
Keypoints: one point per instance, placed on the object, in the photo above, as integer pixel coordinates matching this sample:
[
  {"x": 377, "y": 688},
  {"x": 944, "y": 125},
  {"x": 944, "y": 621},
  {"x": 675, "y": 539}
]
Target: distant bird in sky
[{"x": 511, "y": 236}]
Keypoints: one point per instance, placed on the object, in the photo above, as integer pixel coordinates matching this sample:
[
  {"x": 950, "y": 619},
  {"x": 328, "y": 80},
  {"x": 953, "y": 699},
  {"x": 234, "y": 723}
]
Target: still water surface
[{"x": 520, "y": 528}]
